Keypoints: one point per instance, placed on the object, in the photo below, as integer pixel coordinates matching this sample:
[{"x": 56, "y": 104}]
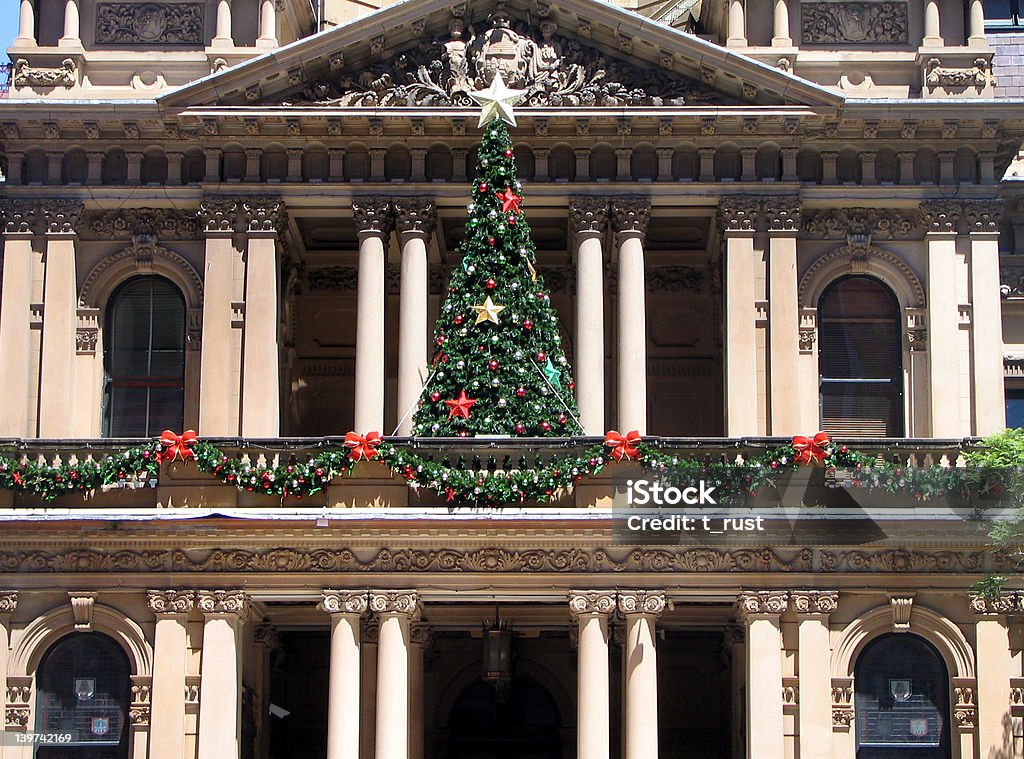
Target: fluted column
[
  {"x": 783, "y": 219},
  {"x": 588, "y": 219},
  {"x": 932, "y": 35},
  {"x": 60, "y": 320},
  {"x": 641, "y": 609},
  {"x": 737, "y": 24},
  {"x": 942, "y": 219},
  {"x": 72, "y": 23},
  {"x": 15, "y": 318},
  {"x": 170, "y": 651},
  {"x": 261, "y": 363},
  {"x": 591, "y": 611},
  {"x": 995, "y": 667},
  {"x": 737, "y": 219},
  {"x": 268, "y": 24},
  {"x": 220, "y": 685},
  {"x": 988, "y": 400},
  {"x": 415, "y": 219},
  {"x": 419, "y": 640},
  {"x": 781, "y": 37},
  {"x": 760, "y": 612},
  {"x": 26, "y": 24},
  {"x": 813, "y": 608},
  {"x": 374, "y": 222},
  {"x": 347, "y": 608},
  {"x": 630, "y": 216},
  {"x": 223, "y": 36},
  {"x": 396, "y": 610}
]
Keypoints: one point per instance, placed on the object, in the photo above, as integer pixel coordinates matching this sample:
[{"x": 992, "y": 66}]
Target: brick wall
[{"x": 1008, "y": 65}]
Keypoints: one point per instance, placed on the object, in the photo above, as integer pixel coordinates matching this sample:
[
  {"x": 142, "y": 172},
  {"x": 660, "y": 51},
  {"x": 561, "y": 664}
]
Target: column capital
[
  {"x": 402, "y": 602},
  {"x": 224, "y": 602},
  {"x": 218, "y": 216},
  {"x": 588, "y": 214},
  {"x": 416, "y": 215},
  {"x": 1007, "y": 602},
  {"x": 373, "y": 215},
  {"x": 738, "y": 213},
  {"x": 761, "y": 603},
  {"x": 814, "y": 601},
  {"x": 983, "y": 216},
  {"x": 62, "y": 216},
  {"x": 266, "y": 635},
  {"x": 344, "y": 602},
  {"x": 8, "y": 601},
  {"x": 419, "y": 634},
  {"x": 648, "y": 602},
  {"x": 266, "y": 215},
  {"x": 782, "y": 213},
  {"x": 19, "y": 217},
  {"x": 941, "y": 216},
  {"x": 589, "y": 602},
  {"x": 171, "y": 601},
  {"x": 631, "y": 214}
]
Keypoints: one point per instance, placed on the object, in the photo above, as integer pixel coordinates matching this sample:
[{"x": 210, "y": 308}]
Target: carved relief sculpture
[
  {"x": 149, "y": 23},
  {"x": 829, "y": 23},
  {"x": 978, "y": 75},
  {"x": 26, "y": 76}
]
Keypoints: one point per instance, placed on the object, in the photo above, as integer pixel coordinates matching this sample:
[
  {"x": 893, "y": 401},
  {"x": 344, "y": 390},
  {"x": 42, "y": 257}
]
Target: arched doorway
[
  {"x": 522, "y": 723},
  {"x": 83, "y": 691},
  {"x": 902, "y": 700}
]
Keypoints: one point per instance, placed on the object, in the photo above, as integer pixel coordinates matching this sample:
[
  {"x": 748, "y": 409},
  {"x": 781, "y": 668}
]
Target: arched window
[
  {"x": 144, "y": 359},
  {"x": 902, "y": 700},
  {"x": 83, "y": 688},
  {"x": 860, "y": 359}
]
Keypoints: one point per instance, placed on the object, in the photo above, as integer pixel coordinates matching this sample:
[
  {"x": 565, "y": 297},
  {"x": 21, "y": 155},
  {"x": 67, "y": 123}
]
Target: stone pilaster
[
  {"x": 995, "y": 667},
  {"x": 760, "y": 612},
  {"x": 782, "y": 215},
  {"x": 170, "y": 651},
  {"x": 220, "y": 706},
  {"x": 813, "y": 656},
  {"x": 19, "y": 224}
]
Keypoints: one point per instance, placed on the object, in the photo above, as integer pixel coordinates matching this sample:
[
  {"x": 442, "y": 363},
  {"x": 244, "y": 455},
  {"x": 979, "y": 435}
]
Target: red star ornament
[
  {"x": 509, "y": 200},
  {"x": 459, "y": 408}
]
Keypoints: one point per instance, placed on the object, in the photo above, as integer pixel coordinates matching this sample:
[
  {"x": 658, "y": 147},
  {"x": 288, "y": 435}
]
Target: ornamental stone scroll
[
  {"x": 814, "y": 601},
  {"x": 403, "y": 602},
  {"x": 8, "y": 601},
  {"x": 224, "y": 602},
  {"x": 761, "y": 603},
  {"x": 586, "y": 602},
  {"x": 171, "y": 601},
  {"x": 354, "y": 602},
  {"x": 645, "y": 602}
]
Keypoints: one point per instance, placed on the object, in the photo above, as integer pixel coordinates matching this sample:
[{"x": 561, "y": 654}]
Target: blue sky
[{"x": 8, "y": 24}]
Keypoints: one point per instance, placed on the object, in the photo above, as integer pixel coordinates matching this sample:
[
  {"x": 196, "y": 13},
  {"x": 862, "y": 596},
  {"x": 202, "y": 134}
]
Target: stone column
[
  {"x": 737, "y": 25},
  {"x": 419, "y": 164},
  {"x": 16, "y": 319},
  {"x": 94, "y": 172},
  {"x": 737, "y": 219},
  {"x": 941, "y": 219},
  {"x": 630, "y": 217},
  {"x": 906, "y": 158},
  {"x": 219, "y": 387},
  {"x": 582, "y": 164},
  {"x": 588, "y": 220},
  {"x": 170, "y": 651},
  {"x": 72, "y": 23},
  {"x": 223, "y": 36},
  {"x": 261, "y": 363},
  {"x": 983, "y": 219},
  {"x": 995, "y": 667},
  {"x": 26, "y": 24},
  {"x": 377, "y": 164},
  {"x": 213, "y": 156},
  {"x": 591, "y": 611},
  {"x": 265, "y": 640},
  {"x": 641, "y": 608},
  {"x": 623, "y": 164},
  {"x": 789, "y": 156},
  {"x": 268, "y": 24},
  {"x": 459, "y": 164},
  {"x": 60, "y": 320},
  {"x": 419, "y": 640},
  {"x": 665, "y": 157},
  {"x": 867, "y": 167},
  {"x": 134, "y": 166},
  {"x": 415, "y": 219},
  {"x": 815, "y": 703},
  {"x": 829, "y": 167},
  {"x": 540, "y": 159},
  {"x": 932, "y": 35},
  {"x": 374, "y": 222},
  {"x": 976, "y": 24},
  {"x": 336, "y": 164},
  {"x": 947, "y": 167},
  {"x": 252, "y": 164},
  {"x": 707, "y": 164},
  {"x": 783, "y": 218},
  {"x": 294, "y": 173},
  {"x": 174, "y": 159},
  {"x": 760, "y": 612},
  {"x": 8, "y": 604},
  {"x": 748, "y": 163},
  {"x": 396, "y": 609},
  {"x": 781, "y": 37},
  {"x": 220, "y": 686},
  {"x": 347, "y": 608},
  {"x": 55, "y": 167},
  {"x": 368, "y": 687}
]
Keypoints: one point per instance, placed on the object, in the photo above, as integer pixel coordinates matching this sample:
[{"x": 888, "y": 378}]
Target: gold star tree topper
[
  {"x": 488, "y": 311},
  {"x": 497, "y": 101}
]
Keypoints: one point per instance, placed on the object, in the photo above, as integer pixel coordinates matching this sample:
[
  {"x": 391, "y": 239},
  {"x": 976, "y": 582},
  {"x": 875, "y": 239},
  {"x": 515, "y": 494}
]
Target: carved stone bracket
[
  {"x": 842, "y": 704},
  {"x": 588, "y": 214},
  {"x": 630, "y": 214},
  {"x": 404, "y": 602},
  {"x": 373, "y": 215},
  {"x": 218, "y": 215},
  {"x": 164, "y": 223},
  {"x": 814, "y": 601},
  {"x": 171, "y": 601},
  {"x": 965, "y": 709},
  {"x": 82, "y": 607},
  {"x": 62, "y": 216},
  {"x": 876, "y": 223},
  {"x": 417, "y": 215},
  {"x": 223, "y": 602},
  {"x": 978, "y": 75},
  {"x": 917, "y": 339},
  {"x": 66, "y": 75},
  {"x": 641, "y": 602},
  {"x": 756, "y": 603},
  {"x": 344, "y": 602},
  {"x": 586, "y": 602},
  {"x": 902, "y": 609}
]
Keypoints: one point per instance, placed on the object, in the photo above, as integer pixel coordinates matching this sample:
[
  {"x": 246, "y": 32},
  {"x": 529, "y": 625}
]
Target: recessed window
[
  {"x": 1003, "y": 13},
  {"x": 1015, "y": 407}
]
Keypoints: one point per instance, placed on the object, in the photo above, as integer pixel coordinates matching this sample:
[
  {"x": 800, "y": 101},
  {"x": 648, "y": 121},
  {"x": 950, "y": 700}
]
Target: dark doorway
[
  {"x": 299, "y": 685},
  {"x": 521, "y": 723}
]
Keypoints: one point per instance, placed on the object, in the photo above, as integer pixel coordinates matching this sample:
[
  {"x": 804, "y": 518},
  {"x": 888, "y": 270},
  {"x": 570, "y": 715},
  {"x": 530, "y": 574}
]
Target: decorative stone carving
[
  {"x": 223, "y": 602},
  {"x": 139, "y": 711},
  {"x": 171, "y": 601},
  {"x": 265, "y": 634},
  {"x": 641, "y": 602},
  {"x": 85, "y": 340},
  {"x": 144, "y": 253},
  {"x": 160, "y": 222},
  {"x": 265, "y": 215},
  {"x": 218, "y": 215},
  {"x": 373, "y": 214},
  {"x": 62, "y": 216},
  {"x": 591, "y": 602},
  {"x": 8, "y": 601},
  {"x": 630, "y": 214},
  {"x": 738, "y": 213},
  {"x": 674, "y": 279},
  {"x": 983, "y": 215},
  {"x": 808, "y": 336},
  {"x": 64, "y": 76},
  {"x": 782, "y": 213},
  {"x": 588, "y": 214},
  {"x": 859, "y": 259},
  {"x": 17, "y": 716},
  {"x": 917, "y": 339},
  {"x": 555, "y": 72},
  {"x": 790, "y": 691},
  {"x": 761, "y": 602},
  {"x": 149, "y": 23},
  {"x": 979, "y": 75},
  {"x": 333, "y": 279},
  {"x": 406, "y": 602},
  {"x": 842, "y": 703},
  {"x": 415, "y": 215},
  {"x": 814, "y": 601},
  {"x": 18, "y": 217},
  {"x": 82, "y": 606},
  {"x": 839, "y": 223},
  {"x": 1007, "y": 602},
  {"x": 344, "y": 602},
  {"x": 860, "y": 22},
  {"x": 965, "y": 710},
  {"x": 941, "y": 216}
]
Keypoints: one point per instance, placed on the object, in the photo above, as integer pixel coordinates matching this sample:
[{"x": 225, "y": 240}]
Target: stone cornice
[
  {"x": 223, "y": 602},
  {"x": 171, "y": 601},
  {"x": 344, "y": 602},
  {"x": 586, "y": 602},
  {"x": 814, "y": 601},
  {"x": 645, "y": 602},
  {"x": 757, "y": 603},
  {"x": 402, "y": 602}
]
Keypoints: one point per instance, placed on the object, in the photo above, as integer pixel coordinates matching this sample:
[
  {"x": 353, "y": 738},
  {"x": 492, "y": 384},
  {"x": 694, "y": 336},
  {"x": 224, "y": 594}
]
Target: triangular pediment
[{"x": 573, "y": 54}]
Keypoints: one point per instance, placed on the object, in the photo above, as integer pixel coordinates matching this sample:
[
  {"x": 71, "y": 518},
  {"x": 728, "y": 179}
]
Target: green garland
[{"x": 136, "y": 466}]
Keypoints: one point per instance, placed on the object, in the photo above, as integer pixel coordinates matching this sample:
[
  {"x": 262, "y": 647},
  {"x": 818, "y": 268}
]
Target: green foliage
[{"x": 989, "y": 587}]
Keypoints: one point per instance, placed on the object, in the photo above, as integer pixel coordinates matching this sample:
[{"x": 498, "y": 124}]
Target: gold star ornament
[
  {"x": 497, "y": 101},
  {"x": 487, "y": 311}
]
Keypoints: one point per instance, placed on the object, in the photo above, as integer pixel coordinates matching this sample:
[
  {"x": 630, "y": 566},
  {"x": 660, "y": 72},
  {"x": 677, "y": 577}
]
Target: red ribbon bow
[
  {"x": 178, "y": 446},
  {"x": 811, "y": 450},
  {"x": 623, "y": 446},
  {"x": 363, "y": 448}
]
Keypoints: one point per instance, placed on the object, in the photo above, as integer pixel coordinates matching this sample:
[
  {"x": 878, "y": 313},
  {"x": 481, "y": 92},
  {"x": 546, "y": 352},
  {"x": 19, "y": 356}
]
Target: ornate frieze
[
  {"x": 405, "y": 602},
  {"x": 223, "y": 602},
  {"x": 583, "y": 602},
  {"x": 66, "y": 75},
  {"x": 630, "y": 214},
  {"x": 647, "y": 602},
  {"x": 832, "y": 23},
  {"x": 373, "y": 214},
  {"x": 333, "y": 279},
  {"x": 415, "y": 215},
  {"x": 265, "y": 215},
  {"x": 62, "y": 216},
  {"x": 761, "y": 602},
  {"x": 344, "y": 602},
  {"x": 165, "y": 223},
  {"x": 675, "y": 279},
  {"x": 218, "y": 215},
  {"x": 149, "y": 23},
  {"x": 8, "y": 601},
  {"x": 840, "y": 223},
  {"x": 171, "y": 601},
  {"x": 588, "y": 214},
  {"x": 814, "y": 601},
  {"x": 1007, "y": 602},
  {"x": 555, "y": 72}
]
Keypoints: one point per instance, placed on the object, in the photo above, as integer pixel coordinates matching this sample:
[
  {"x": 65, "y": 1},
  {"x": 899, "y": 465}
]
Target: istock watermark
[{"x": 654, "y": 493}]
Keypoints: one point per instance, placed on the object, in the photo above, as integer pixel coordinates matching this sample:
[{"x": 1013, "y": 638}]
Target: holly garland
[{"x": 48, "y": 481}]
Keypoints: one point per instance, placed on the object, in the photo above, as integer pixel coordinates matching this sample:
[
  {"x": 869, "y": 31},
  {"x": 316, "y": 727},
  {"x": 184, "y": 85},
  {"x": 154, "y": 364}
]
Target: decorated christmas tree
[{"x": 498, "y": 366}]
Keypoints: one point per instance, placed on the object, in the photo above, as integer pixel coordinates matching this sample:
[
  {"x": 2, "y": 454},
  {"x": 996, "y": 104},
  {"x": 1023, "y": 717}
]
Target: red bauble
[
  {"x": 440, "y": 340},
  {"x": 492, "y": 241},
  {"x": 527, "y": 324},
  {"x": 542, "y": 356},
  {"x": 521, "y": 392},
  {"x": 482, "y": 187},
  {"x": 508, "y": 153},
  {"x": 435, "y": 396},
  {"x": 491, "y": 284},
  {"x": 572, "y": 385},
  {"x": 463, "y": 433},
  {"x": 545, "y": 426},
  {"x": 542, "y": 296},
  {"x": 444, "y": 359},
  {"x": 494, "y": 365},
  {"x": 512, "y": 220},
  {"x": 458, "y": 319},
  {"x": 520, "y": 428},
  {"x": 562, "y": 419}
]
